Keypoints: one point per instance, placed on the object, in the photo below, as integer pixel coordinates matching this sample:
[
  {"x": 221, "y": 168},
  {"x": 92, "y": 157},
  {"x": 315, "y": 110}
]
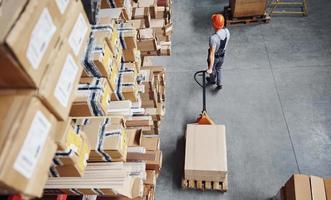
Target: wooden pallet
[
  {"x": 237, "y": 21},
  {"x": 206, "y": 185}
]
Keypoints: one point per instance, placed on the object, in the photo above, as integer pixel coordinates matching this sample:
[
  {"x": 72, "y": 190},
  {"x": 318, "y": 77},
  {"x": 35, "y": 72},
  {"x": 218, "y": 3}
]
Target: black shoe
[{"x": 219, "y": 87}]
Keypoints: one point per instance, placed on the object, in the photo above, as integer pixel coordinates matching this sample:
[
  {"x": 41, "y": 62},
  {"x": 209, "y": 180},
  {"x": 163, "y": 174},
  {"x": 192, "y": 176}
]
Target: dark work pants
[{"x": 217, "y": 74}]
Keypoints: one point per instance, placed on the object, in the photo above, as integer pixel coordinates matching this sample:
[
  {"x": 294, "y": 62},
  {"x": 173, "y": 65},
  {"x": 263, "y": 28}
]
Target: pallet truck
[
  {"x": 204, "y": 118},
  {"x": 205, "y": 150}
]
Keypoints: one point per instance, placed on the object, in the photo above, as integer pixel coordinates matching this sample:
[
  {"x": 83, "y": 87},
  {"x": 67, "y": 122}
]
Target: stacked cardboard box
[
  {"x": 73, "y": 151},
  {"x": 41, "y": 53},
  {"x": 305, "y": 187},
  {"x": 113, "y": 102},
  {"x": 152, "y": 18},
  {"x": 76, "y": 97}
]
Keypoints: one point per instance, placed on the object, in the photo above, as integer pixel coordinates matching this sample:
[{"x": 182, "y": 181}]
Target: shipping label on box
[
  {"x": 41, "y": 36},
  {"x": 34, "y": 143},
  {"x": 78, "y": 33},
  {"x": 66, "y": 81}
]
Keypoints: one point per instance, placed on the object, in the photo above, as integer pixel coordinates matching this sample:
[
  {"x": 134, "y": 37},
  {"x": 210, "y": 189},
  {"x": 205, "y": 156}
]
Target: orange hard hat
[{"x": 217, "y": 21}]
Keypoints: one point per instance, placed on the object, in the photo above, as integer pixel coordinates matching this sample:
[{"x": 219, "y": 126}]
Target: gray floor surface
[{"x": 276, "y": 101}]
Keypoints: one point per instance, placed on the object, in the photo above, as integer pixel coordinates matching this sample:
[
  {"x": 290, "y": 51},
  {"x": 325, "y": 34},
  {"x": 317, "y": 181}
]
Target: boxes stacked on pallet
[
  {"x": 42, "y": 44},
  {"x": 305, "y": 187},
  {"x": 118, "y": 107}
]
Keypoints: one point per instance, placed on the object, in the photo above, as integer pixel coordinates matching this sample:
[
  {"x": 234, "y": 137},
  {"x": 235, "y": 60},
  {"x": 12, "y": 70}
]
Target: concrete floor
[{"x": 276, "y": 101}]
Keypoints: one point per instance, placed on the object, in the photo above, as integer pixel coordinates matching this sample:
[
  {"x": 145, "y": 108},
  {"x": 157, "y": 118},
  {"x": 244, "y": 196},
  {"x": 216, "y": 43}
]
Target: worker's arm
[{"x": 211, "y": 58}]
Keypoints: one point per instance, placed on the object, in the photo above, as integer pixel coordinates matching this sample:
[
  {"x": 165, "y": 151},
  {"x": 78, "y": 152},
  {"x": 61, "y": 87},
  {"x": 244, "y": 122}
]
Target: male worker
[{"x": 217, "y": 45}]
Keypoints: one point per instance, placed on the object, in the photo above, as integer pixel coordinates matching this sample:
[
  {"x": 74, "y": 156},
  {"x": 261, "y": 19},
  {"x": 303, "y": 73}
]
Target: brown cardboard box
[
  {"x": 317, "y": 188},
  {"x": 128, "y": 38},
  {"x": 150, "y": 177},
  {"x": 151, "y": 143},
  {"x": 138, "y": 23},
  {"x": 117, "y": 14},
  {"x": 155, "y": 164},
  {"x": 141, "y": 156},
  {"x": 137, "y": 121},
  {"x": 135, "y": 137},
  {"x": 92, "y": 97},
  {"x": 60, "y": 82},
  {"x": 9, "y": 12},
  {"x": 244, "y": 8},
  {"x": 76, "y": 30},
  {"x": 327, "y": 184},
  {"x": 147, "y": 45},
  {"x": 29, "y": 44},
  {"x": 129, "y": 55},
  {"x": 99, "y": 57},
  {"x": 212, "y": 142},
  {"x": 127, "y": 88},
  {"x": 120, "y": 108},
  {"x": 73, "y": 151},
  {"x": 107, "y": 137},
  {"x": 27, "y": 147},
  {"x": 298, "y": 188},
  {"x": 146, "y": 33}
]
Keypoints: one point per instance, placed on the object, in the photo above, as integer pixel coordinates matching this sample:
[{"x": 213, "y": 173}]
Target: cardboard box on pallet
[
  {"x": 107, "y": 136},
  {"x": 241, "y": 8},
  {"x": 92, "y": 97},
  {"x": 27, "y": 144},
  {"x": 27, "y": 47},
  {"x": 211, "y": 142}
]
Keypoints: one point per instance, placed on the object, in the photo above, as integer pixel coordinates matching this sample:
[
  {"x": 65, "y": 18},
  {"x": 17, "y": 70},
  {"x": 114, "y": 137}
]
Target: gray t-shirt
[{"x": 215, "y": 39}]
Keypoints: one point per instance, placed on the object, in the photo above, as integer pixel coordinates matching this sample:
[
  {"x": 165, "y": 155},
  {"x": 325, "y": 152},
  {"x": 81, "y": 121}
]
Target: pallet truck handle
[{"x": 203, "y": 85}]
